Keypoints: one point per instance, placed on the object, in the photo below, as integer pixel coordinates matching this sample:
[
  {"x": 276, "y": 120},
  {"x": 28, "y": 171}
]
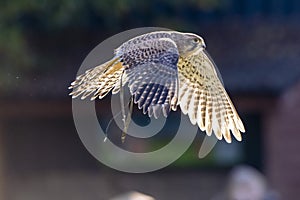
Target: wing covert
[{"x": 151, "y": 74}]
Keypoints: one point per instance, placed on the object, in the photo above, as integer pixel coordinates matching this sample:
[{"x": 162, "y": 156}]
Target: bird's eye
[{"x": 196, "y": 40}]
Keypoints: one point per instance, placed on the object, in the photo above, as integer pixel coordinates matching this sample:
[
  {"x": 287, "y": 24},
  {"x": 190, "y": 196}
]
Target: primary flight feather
[{"x": 165, "y": 69}]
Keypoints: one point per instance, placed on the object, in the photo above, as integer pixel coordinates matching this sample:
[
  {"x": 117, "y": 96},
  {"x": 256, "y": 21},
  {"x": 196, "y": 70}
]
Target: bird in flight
[{"x": 163, "y": 70}]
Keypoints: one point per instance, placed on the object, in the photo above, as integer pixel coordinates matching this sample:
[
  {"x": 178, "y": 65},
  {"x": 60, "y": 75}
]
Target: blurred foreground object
[
  {"x": 133, "y": 196},
  {"x": 247, "y": 183}
]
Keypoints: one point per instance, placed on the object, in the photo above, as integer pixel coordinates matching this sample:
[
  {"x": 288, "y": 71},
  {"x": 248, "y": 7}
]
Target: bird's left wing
[
  {"x": 203, "y": 97},
  {"x": 151, "y": 74}
]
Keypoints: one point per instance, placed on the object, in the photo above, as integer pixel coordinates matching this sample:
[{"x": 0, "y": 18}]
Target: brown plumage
[
  {"x": 164, "y": 69},
  {"x": 98, "y": 81}
]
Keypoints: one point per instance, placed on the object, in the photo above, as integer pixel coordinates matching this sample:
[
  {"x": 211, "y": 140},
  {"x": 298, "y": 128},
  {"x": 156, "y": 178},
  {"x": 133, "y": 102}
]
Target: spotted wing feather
[{"x": 204, "y": 99}]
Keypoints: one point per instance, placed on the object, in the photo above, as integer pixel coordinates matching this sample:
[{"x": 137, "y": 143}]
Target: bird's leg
[
  {"x": 130, "y": 104},
  {"x": 127, "y": 121},
  {"x": 122, "y": 99}
]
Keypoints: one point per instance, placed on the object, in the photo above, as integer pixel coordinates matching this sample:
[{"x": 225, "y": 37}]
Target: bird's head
[{"x": 188, "y": 43}]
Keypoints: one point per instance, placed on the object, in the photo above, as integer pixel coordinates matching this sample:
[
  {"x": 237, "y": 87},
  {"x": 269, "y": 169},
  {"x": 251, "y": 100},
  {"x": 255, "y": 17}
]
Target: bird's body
[{"x": 165, "y": 69}]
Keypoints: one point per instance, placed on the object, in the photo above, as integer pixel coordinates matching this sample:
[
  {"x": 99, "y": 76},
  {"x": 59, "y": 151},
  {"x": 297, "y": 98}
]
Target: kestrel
[{"x": 164, "y": 69}]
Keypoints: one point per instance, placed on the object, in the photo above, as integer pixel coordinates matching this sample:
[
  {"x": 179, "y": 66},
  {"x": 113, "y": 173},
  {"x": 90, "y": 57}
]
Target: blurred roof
[{"x": 257, "y": 57}]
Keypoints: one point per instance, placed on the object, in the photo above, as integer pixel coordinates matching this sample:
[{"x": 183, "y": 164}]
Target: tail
[{"x": 98, "y": 81}]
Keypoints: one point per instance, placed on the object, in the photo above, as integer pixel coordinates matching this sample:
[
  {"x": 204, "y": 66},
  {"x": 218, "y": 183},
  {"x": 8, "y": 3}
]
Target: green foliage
[{"x": 20, "y": 18}]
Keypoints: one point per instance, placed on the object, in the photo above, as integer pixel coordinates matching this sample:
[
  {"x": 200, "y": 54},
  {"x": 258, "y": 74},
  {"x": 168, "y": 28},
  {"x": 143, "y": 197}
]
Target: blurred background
[{"x": 255, "y": 43}]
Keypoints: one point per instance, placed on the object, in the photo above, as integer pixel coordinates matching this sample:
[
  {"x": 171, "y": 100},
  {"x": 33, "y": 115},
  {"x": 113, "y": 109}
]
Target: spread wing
[
  {"x": 98, "y": 81},
  {"x": 151, "y": 74},
  {"x": 203, "y": 97}
]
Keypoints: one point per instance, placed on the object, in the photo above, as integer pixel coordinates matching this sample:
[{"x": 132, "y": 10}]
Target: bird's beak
[{"x": 203, "y": 46}]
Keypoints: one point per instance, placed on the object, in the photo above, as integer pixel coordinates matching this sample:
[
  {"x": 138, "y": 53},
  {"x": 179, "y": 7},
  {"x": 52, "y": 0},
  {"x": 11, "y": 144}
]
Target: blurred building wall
[{"x": 282, "y": 136}]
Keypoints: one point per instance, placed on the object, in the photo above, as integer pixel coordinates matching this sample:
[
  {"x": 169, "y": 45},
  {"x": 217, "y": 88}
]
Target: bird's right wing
[{"x": 203, "y": 97}]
